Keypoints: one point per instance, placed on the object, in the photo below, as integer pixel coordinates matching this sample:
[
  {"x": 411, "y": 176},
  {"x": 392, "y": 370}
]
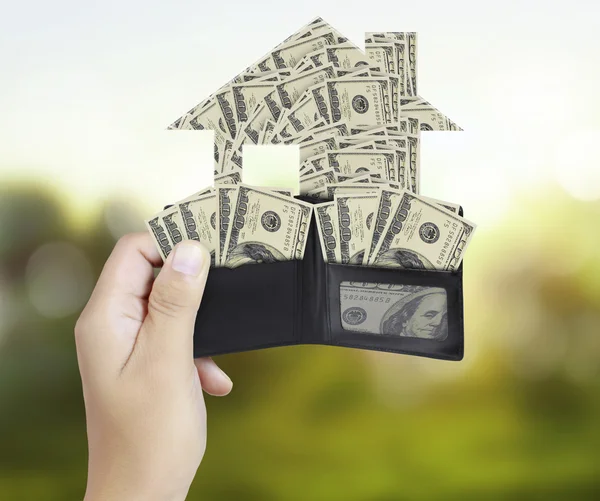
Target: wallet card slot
[
  {"x": 250, "y": 307},
  {"x": 417, "y": 312}
]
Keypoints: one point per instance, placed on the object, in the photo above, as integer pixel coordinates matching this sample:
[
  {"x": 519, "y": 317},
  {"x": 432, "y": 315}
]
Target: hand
[{"x": 146, "y": 418}]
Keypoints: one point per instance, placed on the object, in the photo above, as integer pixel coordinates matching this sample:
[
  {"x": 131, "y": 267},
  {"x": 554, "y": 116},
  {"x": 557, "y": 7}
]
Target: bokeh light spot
[{"x": 59, "y": 279}]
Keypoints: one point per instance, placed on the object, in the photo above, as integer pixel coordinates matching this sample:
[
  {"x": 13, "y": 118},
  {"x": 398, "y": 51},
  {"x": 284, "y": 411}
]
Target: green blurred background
[{"x": 81, "y": 164}]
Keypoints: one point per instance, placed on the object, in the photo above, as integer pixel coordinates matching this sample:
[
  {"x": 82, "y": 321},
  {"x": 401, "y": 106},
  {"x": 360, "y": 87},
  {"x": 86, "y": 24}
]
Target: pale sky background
[{"x": 87, "y": 90}]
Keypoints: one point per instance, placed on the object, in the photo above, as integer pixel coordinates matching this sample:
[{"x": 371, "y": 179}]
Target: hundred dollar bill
[
  {"x": 307, "y": 172},
  {"x": 316, "y": 146},
  {"x": 303, "y": 137},
  {"x": 266, "y": 227},
  {"x": 301, "y": 117},
  {"x": 388, "y": 184},
  {"x": 359, "y": 100},
  {"x": 266, "y": 132},
  {"x": 167, "y": 229},
  {"x": 387, "y": 204},
  {"x": 357, "y": 162},
  {"x": 330, "y": 190},
  {"x": 337, "y": 129},
  {"x": 401, "y": 154},
  {"x": 346, "y": 56},
  {"x": 394, "y": 310},
  {"x": 225, "y": 100},
  {"x": 317, "y": 180},
  {"x": 412, "y": 62},
  {"x": 398, "y": 39},
  {"x": 368, "y": 130},
  {"x": 316, "y": 58},
  {"x": 226, "y": 198},
  {"x": 292, "y": 89},
  {"x": 247, "y": 96},
  {"x": 326, "y": 218},
  {"x": 268, "y": 76},
  {"x": 430, "y": 118},
  {"x": 255, "y": 123},
  {"x": 394, "y": 92},
  {"x": 343, "y": 143},
  {"x": 157, "y": 229},
  {"x": 234, "y": 177},
  {"x": 381, "y": 55},
  {"x": 361, "y": 72},
  {"x": 355, "y": 214},
  {"x": 413, "y": 174},
  {"x": 269, "y": 109},
  {"x": 199, "y": 215},
  {"x": 365, "y": 178},
  {"x": 423, "y": 235}
]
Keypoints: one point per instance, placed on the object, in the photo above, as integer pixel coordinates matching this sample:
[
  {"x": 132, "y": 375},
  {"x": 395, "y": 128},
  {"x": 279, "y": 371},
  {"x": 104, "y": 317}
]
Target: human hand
[{"x": 146, "y": 418}]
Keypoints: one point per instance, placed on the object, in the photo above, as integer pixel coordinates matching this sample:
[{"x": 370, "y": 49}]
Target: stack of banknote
[
  {"x": 375, "y": 224},
  {"x": 238, "y": 224},
  {"x": 364, "y": 222}
]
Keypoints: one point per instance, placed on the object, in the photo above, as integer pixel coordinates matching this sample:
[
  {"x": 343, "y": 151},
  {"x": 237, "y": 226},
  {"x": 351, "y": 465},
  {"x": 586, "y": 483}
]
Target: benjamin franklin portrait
[
  {"x": 253, "y": 252},
  {"x": 422, "y": 315}
]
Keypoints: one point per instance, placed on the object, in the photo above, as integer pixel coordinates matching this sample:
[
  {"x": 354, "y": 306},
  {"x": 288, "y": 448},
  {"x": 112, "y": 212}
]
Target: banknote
[
  {"x": 317, "y": 146},
  {"x": 317, "y": 180},
  {"x": 199, "y": 215},
  {"x": 326, "y": 219},
  {"x": 266, "y": 227},
  {"x": 355, "y": 218},
  {"x": 430, "y": 118},
  {"x": 167, "y": 229},
  {"x": 247, "y": 96},
  {"x": 359, "y": 100},
  {"x": 233, "y": 177},
  {"x": 330, "y": 190},
  {"x": 293, "y": 88},
  {"x": 423, "y": 235},
  {"x": 226, "y": 198},
  {"x": 356, "y": 162},
  {"x": 394, "y": 310}
]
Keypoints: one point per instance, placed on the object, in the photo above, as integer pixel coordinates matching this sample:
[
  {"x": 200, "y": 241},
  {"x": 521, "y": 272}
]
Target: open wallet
[{"x": 409, "y": 311}]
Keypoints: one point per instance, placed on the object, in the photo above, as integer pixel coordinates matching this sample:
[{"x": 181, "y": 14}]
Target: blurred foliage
[{"x": 517, "y": 419}]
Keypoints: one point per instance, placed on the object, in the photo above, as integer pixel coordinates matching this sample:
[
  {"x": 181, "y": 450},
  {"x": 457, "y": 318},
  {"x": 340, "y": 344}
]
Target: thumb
[{"x": 174, "y": 300}]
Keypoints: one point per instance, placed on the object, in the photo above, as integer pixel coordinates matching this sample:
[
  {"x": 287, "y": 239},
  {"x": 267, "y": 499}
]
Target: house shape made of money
[{"x": 260, "y": 104}]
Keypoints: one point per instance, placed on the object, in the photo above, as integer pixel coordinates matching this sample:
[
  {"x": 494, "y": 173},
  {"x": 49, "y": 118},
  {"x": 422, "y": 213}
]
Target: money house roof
[{"x": 441, "y": 122}]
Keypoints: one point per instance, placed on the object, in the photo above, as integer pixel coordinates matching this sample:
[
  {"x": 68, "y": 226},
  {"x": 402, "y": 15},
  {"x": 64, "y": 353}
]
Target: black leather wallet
[{"x": 311, "y": 302}]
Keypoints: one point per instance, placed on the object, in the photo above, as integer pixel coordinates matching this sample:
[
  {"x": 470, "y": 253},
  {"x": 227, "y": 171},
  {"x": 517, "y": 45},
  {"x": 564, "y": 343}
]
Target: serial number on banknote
[{"x": 368, "y": 299}]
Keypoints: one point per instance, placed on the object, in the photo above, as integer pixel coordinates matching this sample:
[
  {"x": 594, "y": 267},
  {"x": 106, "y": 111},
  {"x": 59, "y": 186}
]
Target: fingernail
[{"x": 189, "y": 258}]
